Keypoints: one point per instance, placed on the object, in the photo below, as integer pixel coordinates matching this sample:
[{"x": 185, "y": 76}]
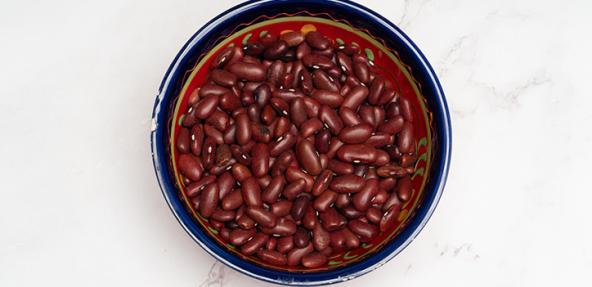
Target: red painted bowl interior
[{"x": 384, "y": 58}]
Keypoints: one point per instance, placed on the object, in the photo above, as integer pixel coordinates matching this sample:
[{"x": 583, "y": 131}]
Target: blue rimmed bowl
[{"x": 343, "y": 21}]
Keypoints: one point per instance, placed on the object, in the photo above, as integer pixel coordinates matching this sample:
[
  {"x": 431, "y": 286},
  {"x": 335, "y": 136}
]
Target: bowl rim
[{"x": 440, "y": 172}]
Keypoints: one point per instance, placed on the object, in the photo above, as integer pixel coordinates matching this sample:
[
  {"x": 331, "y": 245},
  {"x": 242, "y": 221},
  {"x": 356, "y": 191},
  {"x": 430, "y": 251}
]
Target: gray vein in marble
[
  {"x": 216, "y": 275},
  {"x": 451, "y": 57},
  {"x": 406, "y": 18}
]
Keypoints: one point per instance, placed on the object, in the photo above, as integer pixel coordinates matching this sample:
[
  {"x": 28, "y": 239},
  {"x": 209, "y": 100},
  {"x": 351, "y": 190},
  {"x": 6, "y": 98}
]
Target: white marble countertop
[{"x": 80, "y": 204}]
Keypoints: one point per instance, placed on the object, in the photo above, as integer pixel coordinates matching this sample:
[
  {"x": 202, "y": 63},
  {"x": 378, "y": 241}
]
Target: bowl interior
[{"x": 341, "y": 31}]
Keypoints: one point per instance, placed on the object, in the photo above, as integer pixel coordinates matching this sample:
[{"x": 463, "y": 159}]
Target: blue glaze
[{"x": 358, "y": 16}]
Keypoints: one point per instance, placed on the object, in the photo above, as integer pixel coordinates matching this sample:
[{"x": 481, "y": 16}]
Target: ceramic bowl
[{"x": 344, "y": 22}]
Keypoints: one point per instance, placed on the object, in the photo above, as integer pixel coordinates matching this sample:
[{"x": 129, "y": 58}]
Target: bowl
[{"x": 344, "y": 22}]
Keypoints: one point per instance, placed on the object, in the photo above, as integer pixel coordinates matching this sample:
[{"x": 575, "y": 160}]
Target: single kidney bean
[
  {"x": 206, "y": 106},
  {"x": 392, "y": 126},
  {"x": 308, "y": 157},
  {"x": 393, "y": 200},
  {"x": 212, "y": 89},
  {"x": 260, "y": 160},
  {"x": 195, "y": 188},
  {"x": 253, "y": 48},
  {"x": 225, "y": 233},
  {"x": 297, "y": 112},
  {"x": 357, "y": 153},
  {"x": 316, "y": 61},
  {"x": 219, "y": 120},
  {"x": 273, "y": 191},
  {"x": 325, "y": 200},
  {"x": 282, "y": 144},
  {"x": 361, "y": 200},
  {"x": 317, "y": 40},
  {"x": 337, "y": 240},
  {"x": 258, "y": 241},
  {"x": 293, "y": 174},
  {"x": 380, "y": 198},
  {"x": 239, "y": 237},
  {"x": 348, "y": 183},
  {"x": 392, "y": 110},
  {"x": 350, "y": 239},
  {"x": 282, "y": 126},
  {"x": 406, "y": 109},
  {"x": 292, "y": 38},
  {"x": 248, "y": 71},
  {"x": 311, "y": 106},
  {"x": 390, "y": 218},
  {"x": 264, "y": 217},
  {"x": 345, "y": 63},
  {"x": 225, "y": 183},
  {"x": 351, "y": 212},
  {"x": 322, "y": 182},
  {"x": 342, "y": 200},
  {"x": 324, "y": 82},
  {"x": 275, "y": 72},
  {"x": 320, "y": 237},
  {"x": 197, "y": 139},
  {"x": 406, "y": 139},
  {"x": 232, "y": 200},
  {"x": 387, "y": 184},
  {"x": 213, "y": 133},
  {"x": 183, "y": 142},
  {"x": 323, "y": 140},
  {"x": 243, "y": 129},
  {"x": 355, "y": 134},
  {"x": 367, "y": 115},
  {"x": 222, "y": 58},
  {"x": 251, "y": 192},
  {"x": 299, "y": 207},
  {"x": 275, "y": 50},
  {"x": 301, "y": 238},
  {"x": 361, "y": 71},
  {"x": 310, "y": 127},
  {"x": 331, "y": 219},
  {"x": 405, "y": 188},
  {"x": 223, "y": 215},
  {"x": 272, "y": 257},
  {"x": 268, "y": 39},
  {"x": 310, "y": 219},
  {"x": 355, "y": 97},
  {"x": 260, "y": 133},
  {"x": 314, "y": 260},
  {"x": 285, "y": 244},
  {"x": 284, "y": 227},
  {"x": 190, "y": 167},
  {"x": 292, "y": 190},
  {"x": 281, "y": 208},
  {"x": 245, "y": 222},
  {"x": 365, "y": 231},
  {"x": 374, "y": 215},
  {"x": 208, "y": 152},
  {"x": 295, "y": 255},
  {"x": 391, "y": 171},
  {"x": 331, "y": 99},
  {"x": 331, "y": 119},
  {"x": 241, "y": 172},
  {"x": 349, "y": 117},
  {"x": 376, "y": 90},
  {"x": 382, "y": 157},
  {"x": 223, "y": 78},
  {"x": 262, "y": 95},
  {"x": 380, "y": 139},
  {"x": 340, "y": 167}
]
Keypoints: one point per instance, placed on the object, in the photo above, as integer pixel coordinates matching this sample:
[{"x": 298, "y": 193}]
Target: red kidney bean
[
  {"x": 285, "y": 244},
  {"x": 293, "y": 174},
  {"x": 376, "y": 90},
  {"x": 350, "y": 239},
  {"x": 273, "y": 191},
  {"x": 243, "y": 129},
  {"x": 251, "y": 192},
  {"x": 322, "y": 141},
  {"x": 253, "y": 48},
  {"x": 292, "y": 190},
  {"x": 406, "y": 109},
  {"x": 183, "y": 142},
  {"x": 292, "y": 38},
  {"x": 320, "y": 237},
  {"x": 405, "y": 188},
  {"x": 258, "y": 241},
  {"x": 322, "y": 182},
  {"x": 260, "y": 160},
  {"x": 245, "y": 222},
  {"x": 295, "y": 255},
  {"x": 299, "y": 207},
  {"x": 225, "y": 233},
  {"x": 301, "y": 238},
  {"x": 223, "y": 78},
  {"x": 209, "y": 200},
  {"x": 331, "y": 99},
  {"x": 331, "y": 119},
  {"x": 233, "y": 200},
  {"x": 392, "y": 110},
  {"x": 241, "y": 172},
  {"x": 392, "y": 126},
  {"x": 317, "y": 40},
  {"x": 361, "y": 200},
  {"x": 272, "y": 257},
  {"x": 310, "y": 127},
  {"x": 282, "y": 144},
  {"x": 345, "y": 63},
  {"x": 374, "y": 215},
  {"x": 208, "y": 152},
  {"x": 239, "y": 237},
  {"x": 222, "y": 58},
  {"x": 348, "y": 183},
  {"x": 356, "y": 134},
  {"x": 206, "y": 106},
  {"x": 351, "y": 212},
  {"x": 406, "y": 139},
  {"x": 382, "y": 157},
  {"x": 337, "y": 240},
  {"x": 355, "y": 97},
  {"x": 390, "y": 218},
  {"x": 281, "y": 208},
  {"x": 195, "y": 188},
  {"x": 275, "y": 72},
  {"x": 297, "y": 112},
  {"x": 349, "y": 117},
  {"x": 264, "y": 217},
  {"x": 275, "y": 50},
  {"x": 380, "y": 139},
  {"x": 190, "y": 167},
  {"x": 306, "y": 83},
  {"x": 391, "y": 171},
  {"x": 197, "y": 139},
  {"x": 314, "y": 260},
  {"x": 311, "y": 106},
  {"x": 223, "y": 215},
  {"x": 325, "y": 200},
  {"x": 247, "y": 71},
  {"x": 316, "y": 61},
  {"x": 331, "y": 219},
  {"x": 310, "y": 219},
  {"x": 284, "y": 227},
  {"x": 342, "y": 200},
  {"x": 308, "y": 157},
  {"x": 365, "y": 231},
  {"x": 340, "y": 167},
  {"x": 357, "y": 153},
  {"x": 225, "y": 183},
  {"x": 282, "y": 126},
  {"x": 323, "y": 81},
  {"x": 361, "y": 71},
  {"x": 213, "y": 133}
]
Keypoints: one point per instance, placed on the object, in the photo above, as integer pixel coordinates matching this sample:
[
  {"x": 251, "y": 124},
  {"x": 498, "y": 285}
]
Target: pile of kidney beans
[{"x": 296, "y": 148}]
